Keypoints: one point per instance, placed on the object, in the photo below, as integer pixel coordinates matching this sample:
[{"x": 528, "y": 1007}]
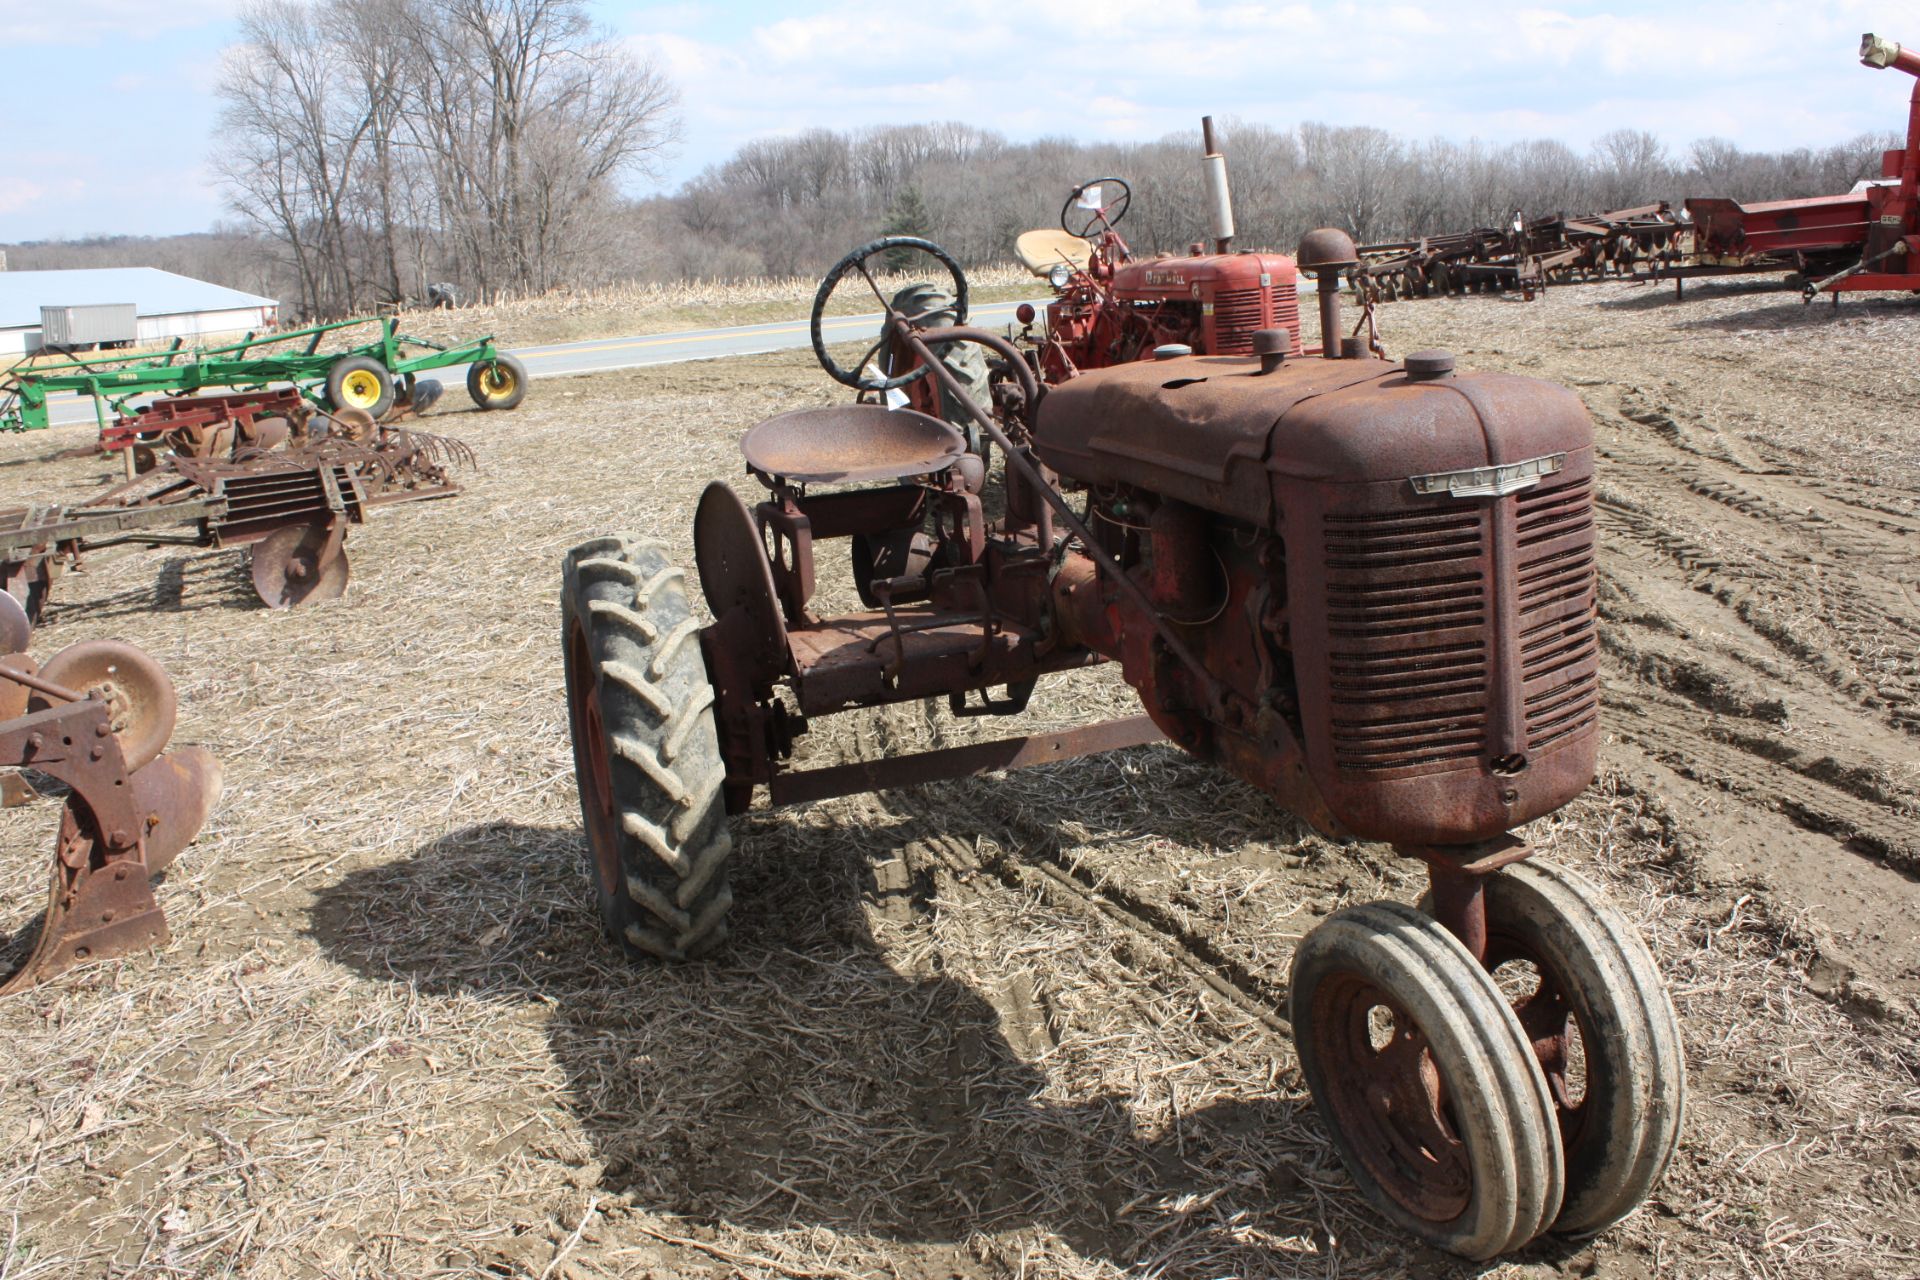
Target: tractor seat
[
  {"x": 850, "y": 443},
  {"x": 1043, "y": 249}
]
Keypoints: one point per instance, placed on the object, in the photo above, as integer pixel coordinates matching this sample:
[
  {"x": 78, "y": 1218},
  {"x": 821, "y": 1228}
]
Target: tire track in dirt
[
  {"x": 1761, "y": 659},
  {"x": 1846, "y": 583},
  {"x": 1668, "y": 735},
  {"x": 936, "y": 810}
]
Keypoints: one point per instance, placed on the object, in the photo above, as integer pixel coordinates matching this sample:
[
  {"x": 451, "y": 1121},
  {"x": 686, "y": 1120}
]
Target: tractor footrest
[{"x": 867, "y": 659}]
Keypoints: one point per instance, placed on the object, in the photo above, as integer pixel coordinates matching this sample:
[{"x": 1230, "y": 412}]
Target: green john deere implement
[{"x": 373, "y": 377}]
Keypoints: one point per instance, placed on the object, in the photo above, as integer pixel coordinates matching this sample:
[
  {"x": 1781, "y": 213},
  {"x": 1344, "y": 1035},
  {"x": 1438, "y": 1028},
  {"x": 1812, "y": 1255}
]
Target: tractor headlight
[{"x": 1060, "y": 275}]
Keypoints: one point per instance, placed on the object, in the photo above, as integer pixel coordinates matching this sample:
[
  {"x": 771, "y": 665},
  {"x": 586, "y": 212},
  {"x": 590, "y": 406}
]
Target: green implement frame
[{"x": 114, "y": 380}]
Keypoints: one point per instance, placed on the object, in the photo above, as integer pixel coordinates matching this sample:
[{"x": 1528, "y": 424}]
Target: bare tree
[
  {"x": 1630, "y": 168},
  {"x": 377, "y": 140}
]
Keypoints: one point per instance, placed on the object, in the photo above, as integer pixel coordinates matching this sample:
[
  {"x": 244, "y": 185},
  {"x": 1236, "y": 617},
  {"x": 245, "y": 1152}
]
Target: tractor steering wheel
[
  {"x": 1110, "y": 214},
  {"x": 857, "y": 260}
]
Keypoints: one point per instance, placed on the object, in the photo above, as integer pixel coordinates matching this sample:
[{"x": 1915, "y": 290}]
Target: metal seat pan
[{"x": 849, "y": 443}]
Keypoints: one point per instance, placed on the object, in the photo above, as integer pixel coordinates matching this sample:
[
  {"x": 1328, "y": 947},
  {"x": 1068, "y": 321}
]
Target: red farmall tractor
[
  {"x": 1365, "y": 587},
  {"x": 1112, "y": 308}
]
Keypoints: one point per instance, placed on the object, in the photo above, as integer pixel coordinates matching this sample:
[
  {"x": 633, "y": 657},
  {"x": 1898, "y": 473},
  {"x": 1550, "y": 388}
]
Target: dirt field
[{"x": 1020, "y": 1026}]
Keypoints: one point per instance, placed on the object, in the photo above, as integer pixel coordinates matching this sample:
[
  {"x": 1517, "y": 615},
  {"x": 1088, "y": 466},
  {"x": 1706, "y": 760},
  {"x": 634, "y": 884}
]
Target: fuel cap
[{"x": 1426, "y": 366}]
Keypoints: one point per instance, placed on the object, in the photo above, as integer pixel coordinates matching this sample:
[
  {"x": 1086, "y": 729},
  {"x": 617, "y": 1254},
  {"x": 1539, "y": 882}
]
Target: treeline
[
  {"x": 377, "y": 146},
  {"x": 791, "y": 205},
  {"x": 379, "y": 230}
]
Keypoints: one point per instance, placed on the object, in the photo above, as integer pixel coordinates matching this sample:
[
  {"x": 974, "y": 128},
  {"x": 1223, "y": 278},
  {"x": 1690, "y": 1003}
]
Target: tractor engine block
[{"x": 1388, "y": 572}]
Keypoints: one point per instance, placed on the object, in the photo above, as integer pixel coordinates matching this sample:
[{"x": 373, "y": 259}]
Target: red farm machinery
[
  {"x": 97, "y": 718},
  {"x": 1864, "y": 240},
  {"x": 1365, "y": 587}
]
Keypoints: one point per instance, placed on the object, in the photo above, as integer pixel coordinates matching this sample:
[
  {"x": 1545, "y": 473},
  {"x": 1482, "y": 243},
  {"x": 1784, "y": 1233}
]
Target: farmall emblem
[{"x": 1164, "y": 277}]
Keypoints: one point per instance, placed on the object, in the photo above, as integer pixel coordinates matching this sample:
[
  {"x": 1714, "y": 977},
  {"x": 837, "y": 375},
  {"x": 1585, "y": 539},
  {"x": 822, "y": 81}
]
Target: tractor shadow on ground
[{"x": 801, "y": 1080}]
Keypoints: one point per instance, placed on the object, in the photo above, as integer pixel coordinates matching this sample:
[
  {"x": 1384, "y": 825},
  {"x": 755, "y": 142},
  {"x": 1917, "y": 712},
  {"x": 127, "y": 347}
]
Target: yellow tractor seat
[{"x": 1044, "y": 248}]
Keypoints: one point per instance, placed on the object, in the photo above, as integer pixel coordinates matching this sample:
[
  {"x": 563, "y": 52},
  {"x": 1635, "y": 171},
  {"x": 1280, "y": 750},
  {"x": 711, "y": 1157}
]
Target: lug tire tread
[{"x": 654, "y": 692}]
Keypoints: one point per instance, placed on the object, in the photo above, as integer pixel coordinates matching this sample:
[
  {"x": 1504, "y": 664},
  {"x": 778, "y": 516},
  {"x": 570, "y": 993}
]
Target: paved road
[{"x": 601, "y": 354}]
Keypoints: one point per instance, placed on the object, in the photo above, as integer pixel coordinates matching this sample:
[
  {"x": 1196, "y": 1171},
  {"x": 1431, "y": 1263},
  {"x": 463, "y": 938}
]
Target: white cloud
[{"x": 1769, "y": 75}]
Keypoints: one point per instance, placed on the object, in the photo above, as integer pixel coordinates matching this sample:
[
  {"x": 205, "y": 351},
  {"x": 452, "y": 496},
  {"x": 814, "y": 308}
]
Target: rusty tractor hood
[{"x": 1214, "y": 431}]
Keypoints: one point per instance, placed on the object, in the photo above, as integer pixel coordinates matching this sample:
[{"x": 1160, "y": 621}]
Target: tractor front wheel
[
  {"x": 645, "y": 749},
  {"x": 497, "y": 384},
  {"x": 1425, "y": 1080},
  {"x": 360, "y": 382}
]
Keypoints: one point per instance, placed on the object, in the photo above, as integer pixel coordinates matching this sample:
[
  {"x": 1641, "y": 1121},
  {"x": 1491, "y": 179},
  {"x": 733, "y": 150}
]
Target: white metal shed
[{"x": 168, "y": 306}]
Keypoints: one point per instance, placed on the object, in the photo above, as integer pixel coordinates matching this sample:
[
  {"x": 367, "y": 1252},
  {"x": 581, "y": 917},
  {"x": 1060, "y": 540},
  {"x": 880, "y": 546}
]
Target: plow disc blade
[
  {"x": 138, "y": 694},
  {"x": 299, "y": 564},
  {"x": 175, "y": 794},
  {"x": 15, "y": 627}
]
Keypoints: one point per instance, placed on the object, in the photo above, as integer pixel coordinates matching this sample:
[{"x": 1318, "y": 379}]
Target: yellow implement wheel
[
  {"x": 497, "y": 384},
  {"x": 360, "y": 382},
  {"x": 360, "y": 389}
]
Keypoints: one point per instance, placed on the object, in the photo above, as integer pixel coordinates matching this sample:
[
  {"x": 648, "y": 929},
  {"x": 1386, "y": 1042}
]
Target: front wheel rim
[{"x": 1390, "y": 1100}]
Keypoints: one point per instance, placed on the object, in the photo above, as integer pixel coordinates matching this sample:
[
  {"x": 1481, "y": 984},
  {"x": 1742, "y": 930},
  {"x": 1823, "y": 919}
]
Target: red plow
[{"x": 97, "y": 717}]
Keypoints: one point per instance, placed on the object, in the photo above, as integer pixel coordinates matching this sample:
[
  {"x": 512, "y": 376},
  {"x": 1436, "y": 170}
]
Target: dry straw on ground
[{"x": 1020, "y": 1026}]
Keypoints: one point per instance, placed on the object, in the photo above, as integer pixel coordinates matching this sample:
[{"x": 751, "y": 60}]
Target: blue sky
[{"x": 111, "y": 117}]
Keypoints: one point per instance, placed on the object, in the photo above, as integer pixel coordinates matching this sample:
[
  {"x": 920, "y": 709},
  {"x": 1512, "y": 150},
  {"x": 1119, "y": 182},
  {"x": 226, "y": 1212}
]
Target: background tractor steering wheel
[
  {"x": 856, "y": 261},
  {"x": 1110, "y": 212}
]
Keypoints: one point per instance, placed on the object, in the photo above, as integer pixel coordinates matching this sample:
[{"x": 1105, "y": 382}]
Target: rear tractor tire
[{"x": 645, "y": 749}]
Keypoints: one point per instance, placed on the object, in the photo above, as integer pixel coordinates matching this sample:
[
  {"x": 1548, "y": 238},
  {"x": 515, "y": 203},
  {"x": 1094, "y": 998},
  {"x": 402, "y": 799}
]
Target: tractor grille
[
  {"x": 1286, "y": 313},
  {"x": 1407, "y": 639},
  {"x": 1236, "y": 314},
  {"x": 1559, "y": 651}
]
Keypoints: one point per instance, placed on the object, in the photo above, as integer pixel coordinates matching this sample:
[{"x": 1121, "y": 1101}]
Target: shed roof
[{"x": 152, "y": 291}]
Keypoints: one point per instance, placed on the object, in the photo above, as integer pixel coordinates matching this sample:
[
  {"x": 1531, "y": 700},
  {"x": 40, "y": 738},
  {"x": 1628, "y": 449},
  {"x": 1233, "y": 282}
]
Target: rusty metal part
[
  {"x": 301, "y": 564},
  {"x": 1326, "y": 252},
  {"x": 232, "y": 502},
  {"x": 199, "y": 426},
  {"x": 802, "y": 786},
  {"x": 1019, "y": 458},
  {"x": 16, "y": 629},
  {"x": 15, "y": 688},
  {"x": 1390, "y": 1098},
  {"x": 175, "y": 795},
  {"x": 123, "y": 823},
  {"x": 850, "y": 443},
  {"x": 1441, "y": 641},
  {"x": 15, "y": 790},
  {"x": 734, "y": 576},
  {"x": 140, "y": 701},
  {"x": 355, "y": 426}
]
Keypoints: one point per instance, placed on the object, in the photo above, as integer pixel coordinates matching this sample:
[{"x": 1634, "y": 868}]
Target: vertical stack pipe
[{"x": 1213, "y": 173}]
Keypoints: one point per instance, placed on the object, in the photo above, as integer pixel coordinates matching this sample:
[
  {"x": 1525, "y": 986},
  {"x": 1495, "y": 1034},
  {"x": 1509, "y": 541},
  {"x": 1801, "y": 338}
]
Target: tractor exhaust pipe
[
  {"x": 1326, "y": 253},
  {"x": 1213, "y": 173}
]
